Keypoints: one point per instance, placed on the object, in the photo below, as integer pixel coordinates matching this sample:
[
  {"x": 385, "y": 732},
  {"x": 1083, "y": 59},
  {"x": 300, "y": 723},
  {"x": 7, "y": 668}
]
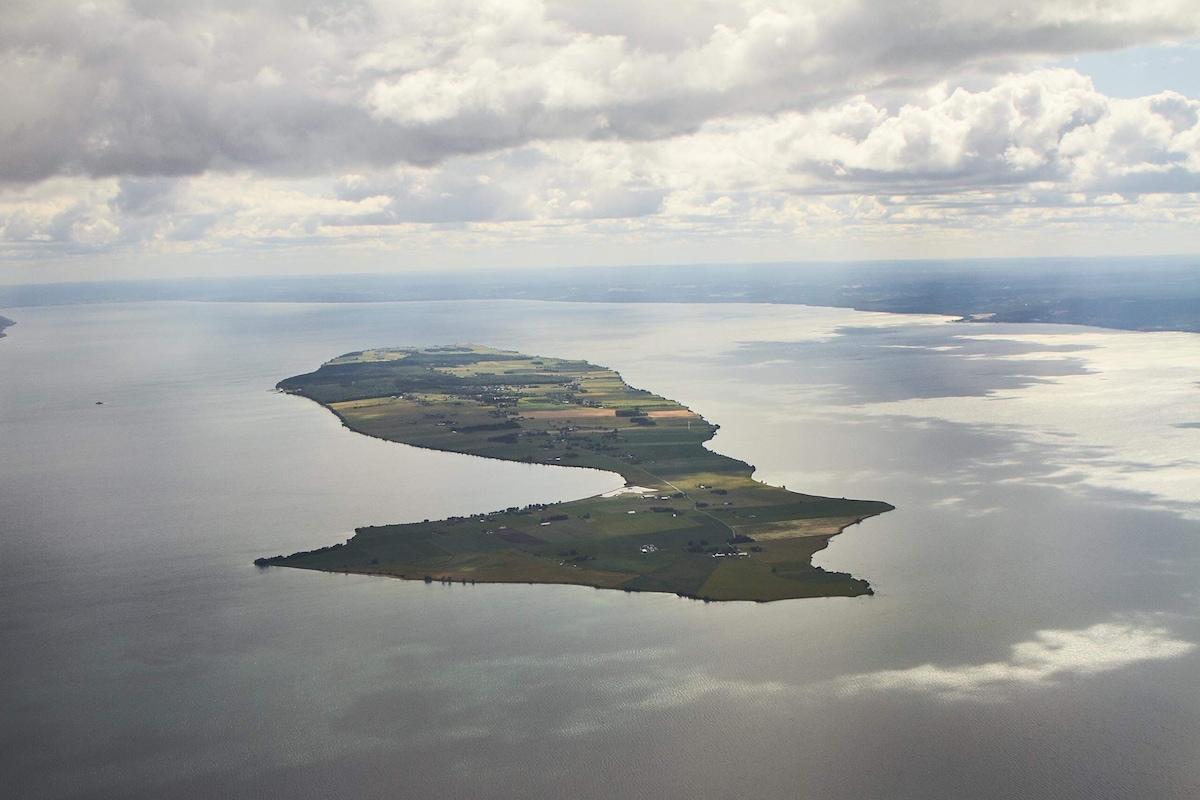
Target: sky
[{"x": 164, "y": 138}]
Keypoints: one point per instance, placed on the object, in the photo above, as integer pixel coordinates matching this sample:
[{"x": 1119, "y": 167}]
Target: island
[
  {"x": 688, "y": 521},
  {"x": 5, "y": 322}
]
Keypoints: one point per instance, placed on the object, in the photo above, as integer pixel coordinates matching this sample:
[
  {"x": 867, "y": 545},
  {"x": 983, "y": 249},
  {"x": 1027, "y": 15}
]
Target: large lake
[{"x": 1033, "y": 634}]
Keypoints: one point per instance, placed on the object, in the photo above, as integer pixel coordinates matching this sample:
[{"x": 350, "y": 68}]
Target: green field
[{"x": 690, "y": 521}]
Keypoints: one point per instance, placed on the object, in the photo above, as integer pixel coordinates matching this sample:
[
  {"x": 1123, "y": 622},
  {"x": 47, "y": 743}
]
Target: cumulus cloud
[
  {"x": 1035, "y": 148},
  {"x": 1050, "y": 657},
  {"x": 217, "y": 123},
  {"x": 1048, "y": 127},
  {"x": 116, "y": 87}
]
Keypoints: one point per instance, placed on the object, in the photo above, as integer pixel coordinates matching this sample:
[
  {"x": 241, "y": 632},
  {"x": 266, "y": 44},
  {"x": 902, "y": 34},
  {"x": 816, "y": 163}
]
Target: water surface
[{"x": 1033, "y": 634}]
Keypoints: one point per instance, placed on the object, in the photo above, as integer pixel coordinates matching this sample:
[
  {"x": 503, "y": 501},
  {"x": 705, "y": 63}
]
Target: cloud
[
  {"x": 1049, "y": 658},
  {"x": 1035, "y": 150},
  {"x": 187, "y": 127},
  {"x": 1048, "y": 127},
  {"x": 128, "y": 88}
]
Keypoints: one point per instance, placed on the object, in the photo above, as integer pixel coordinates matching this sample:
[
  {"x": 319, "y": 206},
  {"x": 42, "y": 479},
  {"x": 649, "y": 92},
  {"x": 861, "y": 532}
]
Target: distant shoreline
[{"x": 1149, "y": 294}]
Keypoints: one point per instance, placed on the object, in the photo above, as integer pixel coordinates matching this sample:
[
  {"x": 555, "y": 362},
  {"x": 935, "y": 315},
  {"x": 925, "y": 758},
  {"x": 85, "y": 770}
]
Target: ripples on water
[{"x": 1033, "y": 634}]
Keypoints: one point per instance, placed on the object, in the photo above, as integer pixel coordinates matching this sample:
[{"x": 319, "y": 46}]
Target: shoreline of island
[
  {"x": 701, "y": 527},
  {"x": 446, "y": 580}
]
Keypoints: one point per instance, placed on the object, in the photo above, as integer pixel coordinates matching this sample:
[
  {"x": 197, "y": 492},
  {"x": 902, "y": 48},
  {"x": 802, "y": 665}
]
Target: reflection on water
[
  {"x": 1036, "y": 584},
  {"x": 1044, "y": 661}
]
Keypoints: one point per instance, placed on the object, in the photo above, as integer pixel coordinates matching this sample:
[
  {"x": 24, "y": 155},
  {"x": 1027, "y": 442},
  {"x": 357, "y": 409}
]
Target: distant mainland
[
  {"x": 688, "y": 521},
  {"x": 1159, "y": 293}
]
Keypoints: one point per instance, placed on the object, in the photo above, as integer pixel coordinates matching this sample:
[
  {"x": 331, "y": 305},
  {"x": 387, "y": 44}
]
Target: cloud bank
[{"x": 216, "y": 124}]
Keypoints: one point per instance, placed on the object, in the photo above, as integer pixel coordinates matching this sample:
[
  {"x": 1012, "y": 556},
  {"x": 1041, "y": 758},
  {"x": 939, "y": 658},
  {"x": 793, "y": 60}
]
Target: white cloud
[
  {"x": 1035, "y": 150},
  {"x": 135, "y": 125},
  {"x": 113, "y": 88}
]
